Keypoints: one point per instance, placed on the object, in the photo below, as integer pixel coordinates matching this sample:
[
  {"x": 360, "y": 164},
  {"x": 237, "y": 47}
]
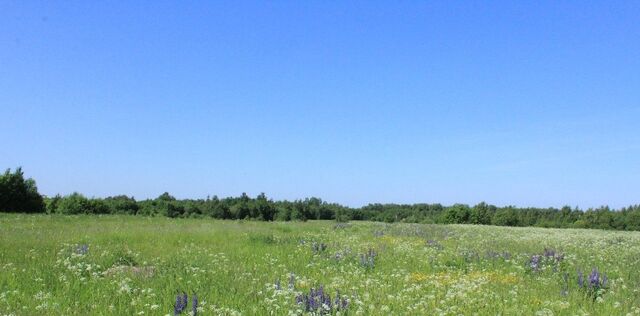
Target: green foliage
[
  {"x": 481, "y": 214},
  {"x": 505, "y": 217},
  {"x": 457, "y": 214},
  {"x": 77, "y": 203},
  {"x": 122, "y": 204},
  {"x": 342, "y": 215},
  {"x": 19, "y": 195}
]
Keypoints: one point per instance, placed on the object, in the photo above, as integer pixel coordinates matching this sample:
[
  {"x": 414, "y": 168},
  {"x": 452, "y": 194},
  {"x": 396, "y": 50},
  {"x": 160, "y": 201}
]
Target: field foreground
[{"x": 121, "y": 265}]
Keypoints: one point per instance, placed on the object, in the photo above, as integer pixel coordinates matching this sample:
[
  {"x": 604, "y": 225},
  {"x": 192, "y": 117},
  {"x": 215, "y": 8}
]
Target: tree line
[{"x": 18, "y": 194}]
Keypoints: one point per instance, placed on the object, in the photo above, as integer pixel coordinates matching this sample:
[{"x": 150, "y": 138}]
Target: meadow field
[{"x": 126, "y": 265}]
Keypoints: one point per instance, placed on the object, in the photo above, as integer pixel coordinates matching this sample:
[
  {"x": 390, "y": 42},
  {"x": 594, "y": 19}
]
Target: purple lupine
[
  {"x": 277, "y": 285},
  {"x": 340, "y": 304},
  {"x": 82, "y": 249},
  {"x": 318, "y": 247},
  {"x": 181, "y": 303},
  {"x": 367, "y": 259},
  {"x": 597, "y": 280},
  {"x": 320, "y": 301},
  {"x": 549, "y": 252},
  {"x": 565, "y": 285},
  {"x": 292, "y": 281},
  {"x": 177, "y": 307},
  {"x": 580, "y": 279},
  {"x": 311, "y": 302},
  {"x": 594, "y": 278},
  {"x": 194, "y": 305},
  {"x": 534, "y": 263}
]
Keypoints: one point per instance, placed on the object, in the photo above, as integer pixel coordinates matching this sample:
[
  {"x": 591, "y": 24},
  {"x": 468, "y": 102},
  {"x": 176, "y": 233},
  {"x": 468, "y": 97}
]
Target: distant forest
[{"x": 20, "y": 195}]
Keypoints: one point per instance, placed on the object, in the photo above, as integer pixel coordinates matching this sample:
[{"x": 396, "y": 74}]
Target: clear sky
[{"x": 527, "y": 103}]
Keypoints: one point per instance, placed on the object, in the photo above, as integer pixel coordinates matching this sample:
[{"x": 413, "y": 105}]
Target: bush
[
  {"x": 18, "y": 195},
  {"x": 74, "y": 203},
  {"x": 122, "y": 204},
  {"x": 77, "y": 203}
]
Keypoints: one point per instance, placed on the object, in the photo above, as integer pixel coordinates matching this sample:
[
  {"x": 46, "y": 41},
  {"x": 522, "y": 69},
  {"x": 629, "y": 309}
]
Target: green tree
[
  {"x": 122, "y": 204},
  {"x": 505, "y": 217},
  {"x": 481, "y": 214},
  {"x": 457, "y": 214},
  {"x": 19, "y": 195},
  {"x": 265, "y": 208},
  {"x": 342, "y": 215},
  {"x": 74, "y": 203}
]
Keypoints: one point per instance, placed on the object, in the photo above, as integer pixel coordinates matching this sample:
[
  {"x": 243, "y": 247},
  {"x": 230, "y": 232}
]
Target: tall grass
[{"x": 124, "y": 265}]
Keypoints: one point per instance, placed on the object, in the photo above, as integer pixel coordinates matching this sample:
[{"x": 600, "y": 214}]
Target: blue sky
[{"x": 512, "y": 103}]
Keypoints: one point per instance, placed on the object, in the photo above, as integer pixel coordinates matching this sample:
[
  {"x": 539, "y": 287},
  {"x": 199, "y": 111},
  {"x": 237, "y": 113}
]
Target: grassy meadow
[{"x": 125, "y": 265}]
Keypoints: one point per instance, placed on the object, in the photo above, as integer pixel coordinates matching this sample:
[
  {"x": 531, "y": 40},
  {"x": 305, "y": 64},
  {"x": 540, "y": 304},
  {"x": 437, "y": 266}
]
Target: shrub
[{"x": 18, "y": 195}]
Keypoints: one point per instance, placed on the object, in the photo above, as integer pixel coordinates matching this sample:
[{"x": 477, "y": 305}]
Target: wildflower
[
  {"x": 277, "y": 285},
  {"x": 181, "y": 303},
  {"x": 549, "y": 252},
  {"x": 595, "y": 283},
  {"x": 565, "y": 285},
  {"x": 292, "y": 281},
  {"x": 319, "y": 301},
  {"x": 194, "y": 305},
  {"x": 82, "y": 249},
  {"x": 318, "y": 247},
  {"x": 367, "y": 259},
  {"x": 580, "y": 279},
  {"x": 534, "y": 263}
]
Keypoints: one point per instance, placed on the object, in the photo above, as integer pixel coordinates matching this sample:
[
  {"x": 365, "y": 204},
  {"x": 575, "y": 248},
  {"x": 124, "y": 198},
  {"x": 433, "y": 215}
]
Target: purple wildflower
[
  {"x": 181, "y": 303},
  {"x": 534, "y": 263},
  {"x": 565, "y": 285},
  {"x": 597, "y": 280},
  {"x": 594, "y": 278},
  {"x": 292, "y": 281},
  {"x": 82, "y": 249},
  {"x": 318, "y": 247},
  {"x": 194, "y": 305},
  {"x": 549, "y": 252},
  {"x": 320, "y": 302},
  {"x": 367, "y": 259},
  {"x": 277, "y": 285},
  {"x": 580, "y": 279}
]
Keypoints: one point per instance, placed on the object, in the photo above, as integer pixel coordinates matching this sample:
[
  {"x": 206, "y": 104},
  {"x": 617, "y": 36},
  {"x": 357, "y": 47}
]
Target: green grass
[{"x": 233, "y": 267}]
